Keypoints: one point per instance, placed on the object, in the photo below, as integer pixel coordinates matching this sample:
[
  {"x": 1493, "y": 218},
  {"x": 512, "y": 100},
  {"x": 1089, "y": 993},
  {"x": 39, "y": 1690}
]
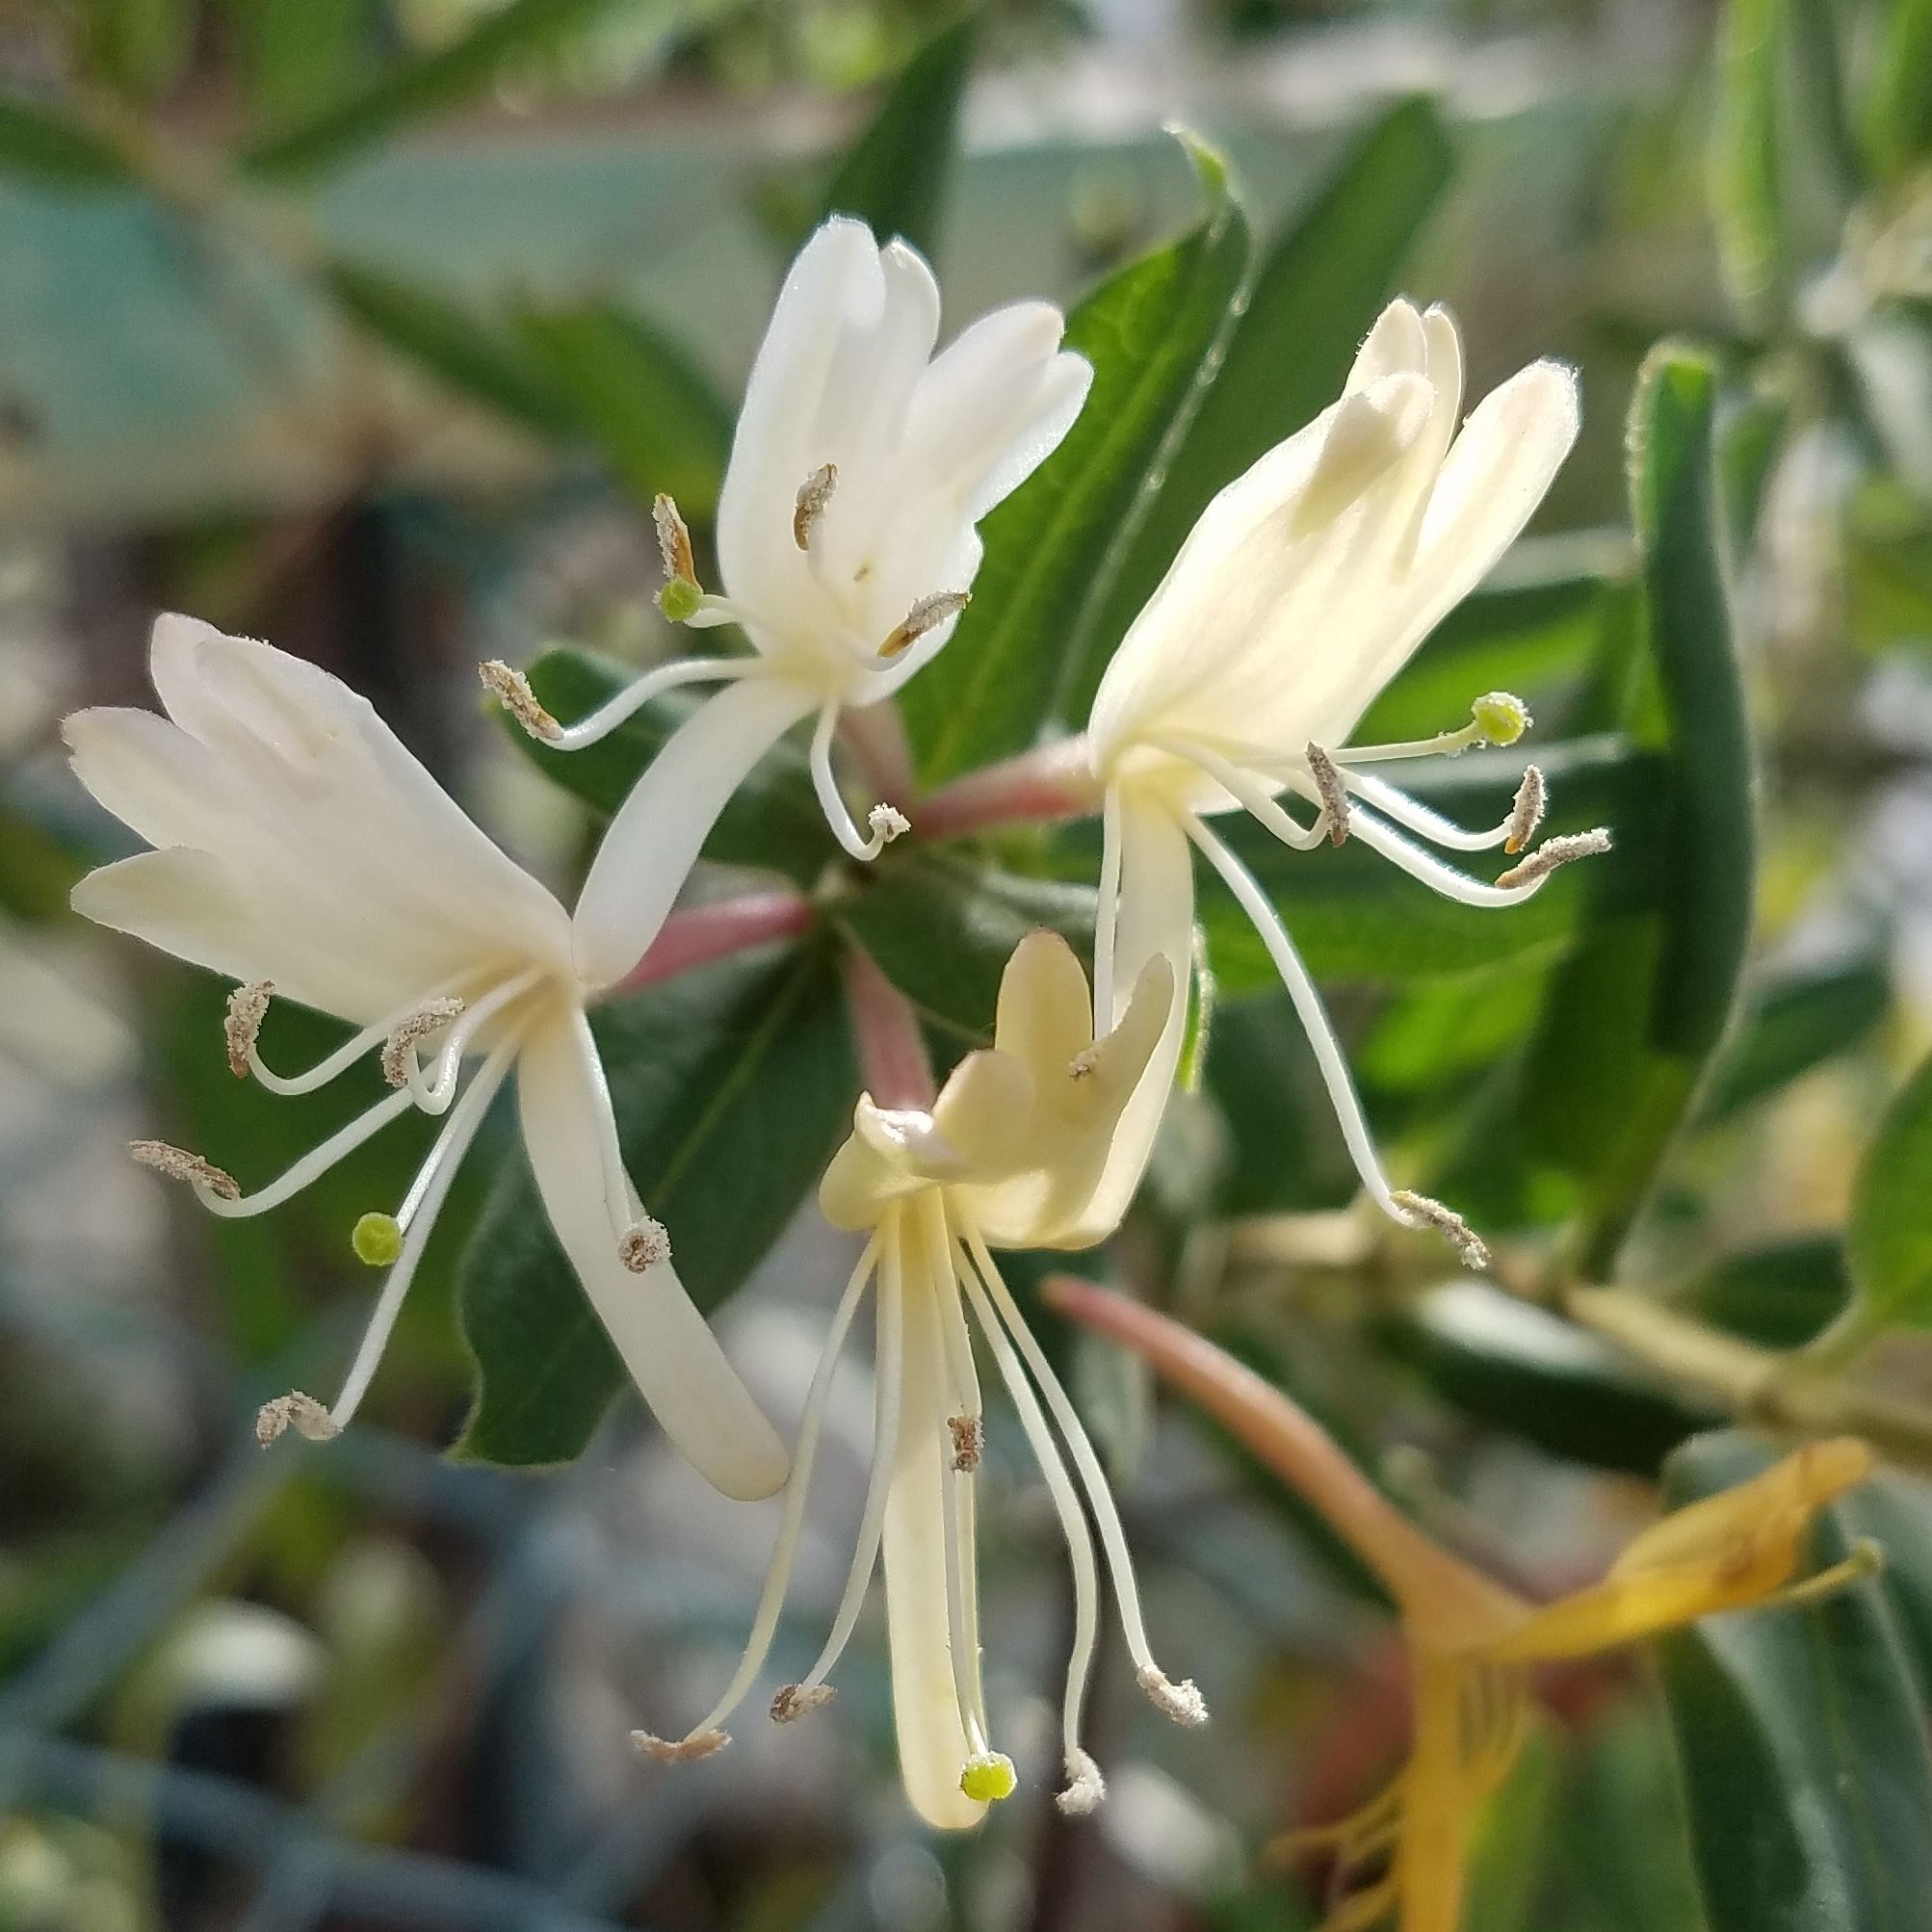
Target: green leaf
[
  {"x": 773, "y": 821},
  {"x": 638, "y": 397},
  {"x": 1888, "y": 1236},
  {"x": 1315, "y": 296},
  {"x": 732, "y": 1085},
  {"x": 895, "y": 177},
  {"x": 453, "y": 345},
  {"x": 37, "y": 871},
  {"x": 136, "y": 48},
  {"x": 1743, "y": 170},
  {"x": 1802, "y": 1738},
  {"x": 1791, "y": 1027},
  {"x": 49, "y": 146},
  {"x": 1023, "y": 652},
  {"x": 414, "y": 90},
  {"x": 301, "y": 55},
  {"x": 1779, "y": 1295},
  {"x": 1897, "y": 125}
]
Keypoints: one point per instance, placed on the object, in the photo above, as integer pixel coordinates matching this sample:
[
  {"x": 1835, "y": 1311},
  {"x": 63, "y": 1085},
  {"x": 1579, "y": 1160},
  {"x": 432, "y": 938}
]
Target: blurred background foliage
[{"x": 372, "y": 328}]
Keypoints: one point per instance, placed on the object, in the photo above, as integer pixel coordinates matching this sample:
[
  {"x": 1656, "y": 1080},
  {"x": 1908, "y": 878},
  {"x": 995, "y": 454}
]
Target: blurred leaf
[
  {"x": 451, "y": 344},
  {"x": 1743, "y": 165},
  {"x": 1512, "y": 1844},
  {"x": 895, "y": 177},
  {"x": 773, "y": 821},
  {"x": 733, "y": 1084},
  {"x": 1895, "y": 1511},
  {"x": 136, "y": 48},
  {"x": 36, "y": 141},
  {"x": 1897, "y": 120},
  {"x": 301, "y": 55},
  {"x": 1749, "y": 442},
  {"x": 1802, "y": 1738},
  {"x": 37, "y": 871},
  {"x": 414, "y": 90},
  {"x": 1778, "y": 1297},
  {"x": 1888, "y": 1236},
  {"x": 1791, "y": 1027},
  {"x": 1816, "y": 73},
  {"x": 1285, "y": 1151},
  {"x": 638, "y": 397},
  {"x": 1154, "y": 332},
  {"x": 1315, "y": 296}
]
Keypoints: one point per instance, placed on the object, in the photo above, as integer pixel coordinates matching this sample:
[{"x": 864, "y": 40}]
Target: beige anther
[
  {"x": 511, "y": 690},
  {"x": 1183, "y": 1702},
  {"x": 887, "y": 824},
  {"x": 1446, "y": 1223},
  {"x": 673, "y": 543},
  {"x": 1083, "y": 1062},
  {"x": 1086, "y": 1788},
  {"x": 968, "y": 1437},
  {"x": 178, "y": 1165},
  {"x": 248, "y": 1008},
  {"x": 398, "y": 1049},
  {"x": 1561, "y": 850},
  {"x": 814, "y": 494},
  {"x": 645, "y": 1246},
  {"x": 924, "y": 615},
  {"x": 1525, "y": 814},
  {"x": 798, "y": 1700},
  {"x": 681, "y": 1750},
  {"x": 1334, "y": 794},
  {"x": 303, "y": 1414}
]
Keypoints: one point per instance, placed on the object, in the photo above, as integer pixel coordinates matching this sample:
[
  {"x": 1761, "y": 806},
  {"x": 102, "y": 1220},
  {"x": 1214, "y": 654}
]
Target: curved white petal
[
  {"x": 660, "y": 829},
  {"x": 670, "y": 1352}
]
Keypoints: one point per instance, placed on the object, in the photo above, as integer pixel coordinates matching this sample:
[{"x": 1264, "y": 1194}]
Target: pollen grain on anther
[
  {"x": 814, "y": 494},
  {"x": 794, "y": 1701},
  {"x": 645, "y": 1246},
  {"x": 681, "y": 1750},
  {"x": 1425, "y": 1211},
  {"x": 968, "y": 1439},
  {"x": 673, "y": 541},
  {"x": 1333, "y": 792},
  {"x": 1525, "y": 813},
  {"x": 248, "y": 1008},
  {"x": 1563, "y": 850},
  {"x": 178, "y": 1165},
  {"x": 399, "y": 1048},
  {"x": 927, "y": 614},
  {"x": 511, "y": 690}
]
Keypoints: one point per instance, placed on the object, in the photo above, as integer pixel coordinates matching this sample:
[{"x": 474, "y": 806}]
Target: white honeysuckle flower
[
  {"x": 303, "y": 852},
  {"x": 848, "y": 545},
  {"x": 1304, "y": 588},
  {"x": 1007, "y": 1157}
]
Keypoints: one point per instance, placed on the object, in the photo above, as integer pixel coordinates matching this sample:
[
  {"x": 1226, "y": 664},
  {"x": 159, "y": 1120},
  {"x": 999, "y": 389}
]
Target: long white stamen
[
  {"x": 886, "y": 823},
  {"x": 317, "y": 1161},
  {"x": 613, "y": 712},
  {"x": 785, "y": 1550},
  {"x": 1404, "y": 810},
  {"x": 891, "y": 1380},
  {"x": 962, "y": 1634},
  {"x": 1255, "y": 794},
  {"x": 1443, "y": 743},
  {"x": 1439, "y": 876},
  {"x": 1107, "y": 916},
  {"x": 344, "y": 1057},
  {"x": 434, "y": 1092},
  {"x": 627, "y": 1221}
]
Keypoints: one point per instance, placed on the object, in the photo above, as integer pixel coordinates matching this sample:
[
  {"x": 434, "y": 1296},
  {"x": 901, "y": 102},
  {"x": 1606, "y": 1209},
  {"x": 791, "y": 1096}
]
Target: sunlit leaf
[
  {"x": 1890, "y": 1234},
  {"x": 1745, "y": 165},
  {"x": 1896, "y": 123}
]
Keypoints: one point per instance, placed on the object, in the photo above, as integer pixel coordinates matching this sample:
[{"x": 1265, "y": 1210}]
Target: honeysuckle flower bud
[
  {"x": 1302, "y": 591},
  {"x": 847, "y": 542},
  {"x": 1005, "y": 1157},
  {"x": 1473, "y": 1644},
  {"x": 303, "y": 852}
]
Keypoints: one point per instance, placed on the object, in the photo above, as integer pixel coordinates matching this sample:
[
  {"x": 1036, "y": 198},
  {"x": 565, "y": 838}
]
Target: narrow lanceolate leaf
[
  {"x": 1743, "y": 168},
  {"x": 773, "y": 821},
  {"x": 895, "y": 177},
  {"x": 733, "y": 1085},
  {"x": 1024, "y": 651},
  {"x": 36, "y": 141},
  {"x": 1896, "y": 125},
  {"x": 1889, "y": 1235},
  {"x": 1638, "y": 1011},
  {"x": 1316, "y": 297},
  {"x": 414, "y": 90},
  {"x": 1792, "y": 1027},
  {"x": 1802, "y": 1738}
]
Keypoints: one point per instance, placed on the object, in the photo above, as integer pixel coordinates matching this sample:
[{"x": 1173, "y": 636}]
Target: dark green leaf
[
  {"x": 1897, "y": 120},
  {"x": 1790, "y": 1027},
  {"x": 1890, "y": 1234},
  {"x": 733, "y": 1084},
  {"x": 1285, "y": 1153},
  {"x": 1744, "y": 172},
  {"x": 895, "y": 177},
  {"x": 37, "y": 871},
  {"x": 1023, "y": 653},
  {"x": 773, "y": 821},
  {"x": 1802, "y": 1738},
  {"x": 1895, "y": 1511},
  {"x": 414, "y": 90},
  {"x": 1748, "y": 443},
  {"x": 36, "y": 140},
  {"x": 638, "y": 397},
  {"x": 136, "y": 48},
  {"x": 1778, "y": 1297},
  {"x": 301, "y": 55},
  {"x": 1316, "y": 297}
]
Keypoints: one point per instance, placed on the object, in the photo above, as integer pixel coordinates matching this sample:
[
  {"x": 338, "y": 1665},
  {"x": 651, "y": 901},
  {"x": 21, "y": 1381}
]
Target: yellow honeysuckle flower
[{"x": 1471, "y": 1643}]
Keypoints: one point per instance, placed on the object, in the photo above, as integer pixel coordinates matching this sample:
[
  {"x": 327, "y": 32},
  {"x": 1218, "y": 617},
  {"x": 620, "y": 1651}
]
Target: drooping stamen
[
  {"x": 682, "y": 1750},
  {"x": 1561, "y": 850},
  {"x": 613, "y": 712},
  {"x": 295, "y": 1410},
  {"x": 178, "y": 1165},
  {"x": 1425, "y": 1212},
  {"x": 248, "y": 1008},
  {"x": 1086, "y": 1788},
  {"x": 814, "y": 494},
  {"x": 887, "y": 822},
  {"x": 433, "y": 1094},
  {"x": 927, "y": 614},
  {"x": 1418, "y": 818},
  {"x": 1334, "y": 794},
  {"x": 646, "y": 1246},
  {"x": 511, "y": 690},
  {"x": 1183, "y": 1702},
  {"x": 1511, "y": 889},
  {"x": 792, "y": 1702},
  {"x": 399, "y": 1048},
  {"x": 333, "y": 1065},
  {"x": 1255, "y": 794},
  {"x": 1525, "y": 814}
]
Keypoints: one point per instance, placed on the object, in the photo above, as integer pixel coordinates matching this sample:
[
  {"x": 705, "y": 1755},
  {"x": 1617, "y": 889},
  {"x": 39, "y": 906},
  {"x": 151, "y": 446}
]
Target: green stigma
[
  {"x": 988, "y": 1779},
  {"x": 1500, "y": 718},
  {"x": 679, "y": 600},
  {"x": 378, "y": 1241}
]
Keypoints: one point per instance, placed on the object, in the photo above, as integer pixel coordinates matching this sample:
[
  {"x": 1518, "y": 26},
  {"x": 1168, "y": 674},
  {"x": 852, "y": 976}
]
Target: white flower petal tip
[
  {"x": 1333, "y": 792},
  {"x": 303, "y": 1414},
  {"x": 1561, "y": 851},
  {"x": 1421, "y": 1211},
  {"x": 1502, "y": 716},
  {"x": 794, "y": 1701},
  {"x": 178, "y": 1165},
  {"x": 887, "y": 822},
  {"x": 969, "y": 1436},
  {"x": 645, "y": 1246},
  {"x": 247, "y": 1008},
  {"x": 511, "y": 690},
  {"x": 987, "y": 1777},
  {"x": 815, "y": 494},
  {"x": 1183, "y": 1702},
  {"x": 1086, "y": 1789},
  {"x": 399, "y": 1048},
  {"x": 681, "y": 1750},
  {"x": 1525, "y": 814},
  {"x": 927, "y": 614}
]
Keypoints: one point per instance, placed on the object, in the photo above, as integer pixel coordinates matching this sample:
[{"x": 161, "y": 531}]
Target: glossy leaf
[
  {"x": 1890, "y": 1234},
  {"x": 1155, "y": 333},
  {"x": 1802, "y": 1738},
  {"x": 1779, "y": 1295},
  {"x": 1791, "y": 1027},
  {"x": 37, "y": 142},
  {"x": 733, "y": 1084},
  {"x": 1743, "y": 168}
]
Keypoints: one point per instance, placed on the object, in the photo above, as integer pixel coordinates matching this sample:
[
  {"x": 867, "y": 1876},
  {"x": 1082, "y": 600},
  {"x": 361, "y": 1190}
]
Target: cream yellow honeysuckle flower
[
  {"x": 1005, "y": 1158},
  {"x": 1471, "y": 1643},
  {"x": 848, "y": 544},
  {"x": 1302, "y": 591},
  {"x": 300, "y": 851}
]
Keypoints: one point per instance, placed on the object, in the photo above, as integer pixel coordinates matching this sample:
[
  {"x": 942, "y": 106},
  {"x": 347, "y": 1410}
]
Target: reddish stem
[
  {"x": 708, "y": 932},
  {"x": 894, "y": 1067},
  {"x": 1050, "y": 783}
]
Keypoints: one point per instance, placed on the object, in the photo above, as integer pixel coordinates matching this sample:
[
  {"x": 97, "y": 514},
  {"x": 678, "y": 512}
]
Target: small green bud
[
  {"x": 988, "y": 1779},
  {"x": 679, "y": 600},
  {"x": 378, "y": 1241},
  {"x": 1500, "y": 718}
]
